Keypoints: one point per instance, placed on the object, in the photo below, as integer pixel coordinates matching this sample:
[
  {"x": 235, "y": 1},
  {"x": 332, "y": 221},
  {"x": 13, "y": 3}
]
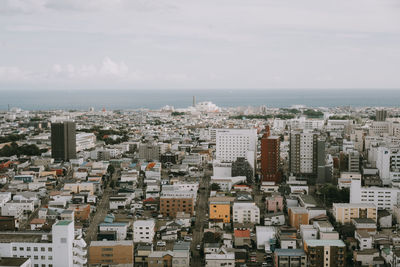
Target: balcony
[
  {"x": 79, "y": 251},
  {"x": 79, "y": 260}
]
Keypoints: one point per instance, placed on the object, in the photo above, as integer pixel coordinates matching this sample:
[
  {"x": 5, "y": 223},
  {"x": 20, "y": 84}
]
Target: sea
[{"x": 156, "y": 99}]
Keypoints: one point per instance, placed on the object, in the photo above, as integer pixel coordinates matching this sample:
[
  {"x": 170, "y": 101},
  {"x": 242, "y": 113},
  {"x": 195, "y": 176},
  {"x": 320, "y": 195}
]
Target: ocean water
[{"x": 155, "y": 99}]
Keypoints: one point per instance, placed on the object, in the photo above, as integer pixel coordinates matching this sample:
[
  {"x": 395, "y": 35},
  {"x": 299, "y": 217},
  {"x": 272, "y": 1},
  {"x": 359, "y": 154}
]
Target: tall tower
[
  {"x": 303, "y": 153},
  {"x": 381, "y": 114},
  {"x": 270, "y": 157},
  {"x": 63, "y": 140},
  {"x": 194, "y": 101}
]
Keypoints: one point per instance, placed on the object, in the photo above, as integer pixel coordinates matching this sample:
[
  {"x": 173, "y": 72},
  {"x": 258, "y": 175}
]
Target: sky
[{"x": 211, "y": 44}]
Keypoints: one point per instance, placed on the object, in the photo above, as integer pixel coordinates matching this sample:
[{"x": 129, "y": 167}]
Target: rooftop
[
  {"x": 63, "y": 222},
  {"x": 289, "y": 252},
  {"x": 323, "y": 242}
]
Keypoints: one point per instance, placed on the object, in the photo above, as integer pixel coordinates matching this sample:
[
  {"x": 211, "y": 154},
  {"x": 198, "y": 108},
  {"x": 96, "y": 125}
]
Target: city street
[{"x": 201, "y": 215}]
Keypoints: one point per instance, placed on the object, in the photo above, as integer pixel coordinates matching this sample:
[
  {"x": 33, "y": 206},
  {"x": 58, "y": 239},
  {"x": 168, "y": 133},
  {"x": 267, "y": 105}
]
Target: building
[
  {"x": 345, "y": 212},
  {"x": 234, "y": 143},
  {"x": 169, "y": 258},
  {"x": 15, "y": 262},
  {"x": 298, "y": 216},
  {"x": 85, "y": 141},
  {"x": 175, "y": 201},
  {"x": 270, "y": 157},
  {"x": 246, "y": 212},
  {"x": 381, "y": 197},
  {"x": 149, "y": 151},
  {"x": 111, "y": 253},
  {"x": 144, "y": 231},
  {"x": 220, "y": 210},
  {"x": 354, "y": 161},
  {"x": 290, "y": 257},
  {"x": 388, "y": 164},
  {"x": 303, "y": 153},
  {"x": 325, "y": 253},
  {"x": 380, "y": 114},
  {"x": 223, "y": 258},
  {"x": 60, "y": 248},
  {"x": 63, "y": 140}
]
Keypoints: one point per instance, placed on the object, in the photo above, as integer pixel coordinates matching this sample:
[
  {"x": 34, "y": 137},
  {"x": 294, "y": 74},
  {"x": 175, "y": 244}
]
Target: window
[
  {"x": 63, "y": 240},
  {"x": 36, "y": 257},
  {"x": 43, "y": 249},
  {"x": 42, "y": 257},
  {"x": 50, "y": 249},
  {"x": 50, "y": 257},
  {"x": 14, "y": 248}
]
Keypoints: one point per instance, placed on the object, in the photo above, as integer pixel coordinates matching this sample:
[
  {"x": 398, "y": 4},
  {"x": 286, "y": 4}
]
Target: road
[
  {"x": 102, "y": 209},
  {"x": 201, "y": 215}
]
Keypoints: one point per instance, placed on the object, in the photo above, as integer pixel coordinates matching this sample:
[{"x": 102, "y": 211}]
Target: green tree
[{"x": 215, "y": 187}]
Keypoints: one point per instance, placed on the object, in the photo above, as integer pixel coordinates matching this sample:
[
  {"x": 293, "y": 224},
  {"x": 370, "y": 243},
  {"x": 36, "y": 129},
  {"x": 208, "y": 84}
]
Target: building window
[
  {"x": 14, "y": 248},
  {"x": 43, "y": 249},
  {"x": 50, "y": 249}
]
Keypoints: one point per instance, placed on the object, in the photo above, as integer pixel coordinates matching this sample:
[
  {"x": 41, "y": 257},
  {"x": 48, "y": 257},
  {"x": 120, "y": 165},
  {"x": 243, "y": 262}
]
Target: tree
[
  {"x": 215, "y": 187},
  {"x": 111, "y": 169}
]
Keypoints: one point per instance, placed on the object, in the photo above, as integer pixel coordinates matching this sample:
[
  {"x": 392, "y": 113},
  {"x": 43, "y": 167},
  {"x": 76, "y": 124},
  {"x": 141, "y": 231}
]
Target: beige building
[
  {"x": 80, "y": 187},
  {"x": 111, "y": 253},
  {"x": 345, "y": 212}
]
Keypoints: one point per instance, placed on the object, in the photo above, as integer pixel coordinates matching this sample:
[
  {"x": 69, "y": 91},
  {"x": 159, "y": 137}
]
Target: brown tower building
[{"x": 270, "y": 157}]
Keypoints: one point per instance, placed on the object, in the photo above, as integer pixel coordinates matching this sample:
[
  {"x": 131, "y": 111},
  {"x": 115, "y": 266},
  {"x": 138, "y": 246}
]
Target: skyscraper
[
  {"x": 63, "y": 140},
  {"x": 303, "y": 153},
  {"x": 381, "y": 114},
  {"x": 270, "y": 157}
]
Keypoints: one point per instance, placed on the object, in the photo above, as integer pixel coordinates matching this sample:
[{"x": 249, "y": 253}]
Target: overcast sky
[{"x": 140, "y": 44}]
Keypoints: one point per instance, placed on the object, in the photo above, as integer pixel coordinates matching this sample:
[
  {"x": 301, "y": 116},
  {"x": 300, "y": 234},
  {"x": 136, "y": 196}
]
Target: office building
[
  {"x": 381, "y": 114},
  {"x": 111, "y": 252},
  {"x": 63, "y": 140},
  {"x": 174, "y": 201},
  {"x": 381, "y": 197},
  {"x": 270, "y": 157},
  {"x": 150, "y": 151},
  {"x": 234, "y": 143}
]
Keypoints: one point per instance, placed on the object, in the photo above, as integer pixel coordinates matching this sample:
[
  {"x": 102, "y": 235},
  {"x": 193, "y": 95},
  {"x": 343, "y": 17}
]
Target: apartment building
[
  {"x": 345, "y": 212},
  {"x": 290, "y": 257},
  {"x": 303, "y": 153},
  {"x": 325, "y": 253},
  {"x": 298, "y": 216},
  {"x": 246, "y": 212},
  {"x": 118, "y": 253},
  {"x": 85, "y": 141},
  {"x": 270, "y": 157},
  {"x": 143, "y": 231},
  {"x": 381, "y": 197},
  {"x": 61, "y": 248}
]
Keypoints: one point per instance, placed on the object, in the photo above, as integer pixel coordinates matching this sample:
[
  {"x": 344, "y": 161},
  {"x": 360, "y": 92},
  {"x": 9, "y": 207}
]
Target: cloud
[{"x": 109, "y": 71}]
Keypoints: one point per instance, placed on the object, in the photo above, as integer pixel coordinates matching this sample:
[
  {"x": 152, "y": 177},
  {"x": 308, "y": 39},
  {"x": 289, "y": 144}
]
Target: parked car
[{"x": 198, "y": 247}]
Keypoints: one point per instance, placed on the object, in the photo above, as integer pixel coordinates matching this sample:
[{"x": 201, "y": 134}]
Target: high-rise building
[
  {"x": 63, "y": 140},
  {"x": 234, "y": 143},
  {"x": 270, "y": 157},
  {"x": 381, "y": 114},
  {"x": 303, "y": 153}
]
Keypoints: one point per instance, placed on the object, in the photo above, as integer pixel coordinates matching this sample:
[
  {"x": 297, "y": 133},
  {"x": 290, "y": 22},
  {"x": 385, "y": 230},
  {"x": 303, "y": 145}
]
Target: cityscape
[
  {"x": 184, "y": 133},
  {"x": 200, "y": 186}
]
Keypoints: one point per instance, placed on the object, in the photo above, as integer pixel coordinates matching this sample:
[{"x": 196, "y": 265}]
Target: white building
[
  {"x": 143, "y": 231},
  {"x": 382, "y": 197},
  {"x": 246, "y": 212},
  {"x": 222, "y": 258},
  {"x": 234, "y": 143},
  {"x": 61, "y": 249},
  {"x": 120, "y": 228},
  {"x": 264, "y": 236},
  {"x": 388, "y": 164},
  {"x": 226, "y": 183},
  {"x": 85, "y": 141}
]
